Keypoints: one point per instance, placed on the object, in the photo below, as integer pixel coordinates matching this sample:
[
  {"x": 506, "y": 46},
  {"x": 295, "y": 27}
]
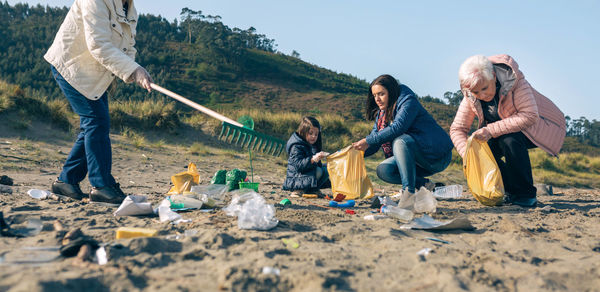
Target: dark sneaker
[
  {"x": 109, "y": 194},
  {"x": 524, "y": 202},
  {"x": 68, "y": 190}
]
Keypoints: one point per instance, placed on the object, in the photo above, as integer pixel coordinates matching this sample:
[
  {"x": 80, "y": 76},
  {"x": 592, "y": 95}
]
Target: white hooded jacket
[{"x": 94, "y": 44}]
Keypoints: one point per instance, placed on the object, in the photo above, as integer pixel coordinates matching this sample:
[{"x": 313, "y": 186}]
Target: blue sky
[{"x": 422, "y": 43}]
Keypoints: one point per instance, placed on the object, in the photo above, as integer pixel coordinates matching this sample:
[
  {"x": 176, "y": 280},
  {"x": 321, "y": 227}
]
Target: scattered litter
[
  {"x": 131, "y": 232},
  {"x": 101, "y": 256},
  {"x": 424, "y": 201},
  {"x": 438, "y": 240},
  {"x": 75, "y": 243},
  {"x": 375, "y": 217},
  {"x": 38, "y": 194},
  {"x": 290, "y": 243},
  {"x": 5, "y": 189},
  {"x": 339, "y": 197},
  {"x": 184, "y": 202},
  {"x": 184, "y": 181},
  {"x": 212, "y": 191},
  {"x": 448, "y": 192},
  {"x": 187, "y": 233},
  {"x": 310, "y": 196},
  {"x": 428, "y": 223},
  {"x": 249, "y": 185},
  {"x": 376, "y": 203},
  {"x": 30, "y": 256},
  {"x": 18, "y": 229},
  {"x": 234, "y": 177},
  {"x": 351, "y": 212},
  {"x": 285, "y": 202},
  {"x": 219, "y": 177},
  {"x": 271, "y": 271},
  {"x": 252, "y": 211},
  {"x": 348, "y": 204},
  {"x": 546, "y": 208},
  {"x": 134, "y": 205},
  {"x": 424, "y": 253},
  {"x": 166, "y": 214},
  {"x": 397, "y": 212}
]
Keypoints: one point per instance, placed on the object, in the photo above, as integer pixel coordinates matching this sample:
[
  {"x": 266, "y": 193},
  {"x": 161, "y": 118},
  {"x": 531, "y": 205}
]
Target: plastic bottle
[
  {"x": 398, "y": 213},
  {"x": 448, "y": 192},
  {"x": 181, "y": 202}
]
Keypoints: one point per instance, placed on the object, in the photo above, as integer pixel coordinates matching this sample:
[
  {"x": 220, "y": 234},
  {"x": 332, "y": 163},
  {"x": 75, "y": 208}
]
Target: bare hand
[
  {"x": 482, "y": 135},
  {"x": 142, "y": 78},
  {"x": 361, "y": 145}
]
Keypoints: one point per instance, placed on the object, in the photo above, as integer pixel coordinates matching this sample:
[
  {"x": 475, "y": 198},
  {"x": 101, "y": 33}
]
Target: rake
[{"x": 232, "y": 131}]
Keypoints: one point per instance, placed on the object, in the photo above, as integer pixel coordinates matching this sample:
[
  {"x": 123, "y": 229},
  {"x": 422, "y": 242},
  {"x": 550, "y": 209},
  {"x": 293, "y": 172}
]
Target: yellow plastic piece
[
  {"x": 183, "y": 181},
  {"x": 482, "y": 173},
  {"x": 348, "y": 174},
  {"x": 131, "y": 232}
]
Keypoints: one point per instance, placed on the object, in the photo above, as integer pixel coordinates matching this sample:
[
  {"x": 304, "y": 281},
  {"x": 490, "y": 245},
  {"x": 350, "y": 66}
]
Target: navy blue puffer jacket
[{"x": 301, "y": 173}]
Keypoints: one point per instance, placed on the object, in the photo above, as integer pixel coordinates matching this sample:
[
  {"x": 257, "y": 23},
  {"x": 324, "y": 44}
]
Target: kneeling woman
[{"x": 414, "y": 145}]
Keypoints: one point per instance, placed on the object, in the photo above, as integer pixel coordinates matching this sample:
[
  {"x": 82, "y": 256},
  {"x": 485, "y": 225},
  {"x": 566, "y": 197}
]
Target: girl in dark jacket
[
  {"x": 414, "y": 145},
  {"x": 305, "y": 172}
]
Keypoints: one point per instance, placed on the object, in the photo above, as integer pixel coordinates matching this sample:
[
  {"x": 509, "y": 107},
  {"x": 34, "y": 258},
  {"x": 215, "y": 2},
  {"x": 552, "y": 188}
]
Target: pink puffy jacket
[{"x": 521, "y": 108}]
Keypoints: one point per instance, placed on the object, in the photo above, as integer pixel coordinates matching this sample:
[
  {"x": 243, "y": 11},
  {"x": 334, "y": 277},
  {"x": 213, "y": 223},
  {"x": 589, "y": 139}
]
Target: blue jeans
[
  {"x": 408, "y": 166},
  {"x": 91, "y": 154}
]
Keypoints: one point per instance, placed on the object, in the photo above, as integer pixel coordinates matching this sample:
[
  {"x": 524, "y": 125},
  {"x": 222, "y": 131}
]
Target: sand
[{"x": 554, "y": 246}]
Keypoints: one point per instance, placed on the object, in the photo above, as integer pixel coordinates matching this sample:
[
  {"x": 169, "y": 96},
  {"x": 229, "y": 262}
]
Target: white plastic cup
[{"x": 38, "y": 194}]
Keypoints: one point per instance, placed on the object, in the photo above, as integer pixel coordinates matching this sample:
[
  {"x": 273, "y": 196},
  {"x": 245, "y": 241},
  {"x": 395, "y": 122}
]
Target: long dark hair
[
  {"x": 393, "y": 87},
  {"x": 304, "y": 127}
]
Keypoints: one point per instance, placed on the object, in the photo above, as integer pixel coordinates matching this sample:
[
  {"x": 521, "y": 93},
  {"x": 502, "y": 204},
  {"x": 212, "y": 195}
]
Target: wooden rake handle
[{"x": 205, "y": 110}]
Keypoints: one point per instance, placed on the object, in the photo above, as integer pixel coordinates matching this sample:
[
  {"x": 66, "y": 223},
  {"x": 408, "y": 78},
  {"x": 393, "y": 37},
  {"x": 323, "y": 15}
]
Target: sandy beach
[{"x": 554, "y": 246}]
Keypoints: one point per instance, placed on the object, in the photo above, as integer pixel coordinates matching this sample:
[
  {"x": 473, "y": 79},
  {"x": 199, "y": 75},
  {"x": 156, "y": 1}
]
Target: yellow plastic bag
[
  {"x": 348, "y": 174},
  {"x": 482, "y": 173},
  {"x": 183, "y": 181}
]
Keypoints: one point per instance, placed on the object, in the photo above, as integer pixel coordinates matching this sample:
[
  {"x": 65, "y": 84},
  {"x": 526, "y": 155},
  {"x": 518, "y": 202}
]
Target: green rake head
[{"x": 255, "y": 141}]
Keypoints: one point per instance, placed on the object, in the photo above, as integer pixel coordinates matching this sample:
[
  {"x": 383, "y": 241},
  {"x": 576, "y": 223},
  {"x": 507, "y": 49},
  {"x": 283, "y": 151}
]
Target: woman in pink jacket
[{"x": 512, "y": 117}]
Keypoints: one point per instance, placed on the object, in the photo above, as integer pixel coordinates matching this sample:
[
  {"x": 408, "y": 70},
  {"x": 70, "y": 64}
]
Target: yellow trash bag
[
  {"x": 183, "y": 181},
  {"x": 348, "y": 174},
  {"x": 482, "y": 173}
]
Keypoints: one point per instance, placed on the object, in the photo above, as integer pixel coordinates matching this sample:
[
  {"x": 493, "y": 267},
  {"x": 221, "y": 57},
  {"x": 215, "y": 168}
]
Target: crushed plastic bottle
[
  {"x": 448, "y": 192},
  {"x": 398, "y": 213},
  {"x": 424, "y": 201},
  {"x": 252, "y": 211}
]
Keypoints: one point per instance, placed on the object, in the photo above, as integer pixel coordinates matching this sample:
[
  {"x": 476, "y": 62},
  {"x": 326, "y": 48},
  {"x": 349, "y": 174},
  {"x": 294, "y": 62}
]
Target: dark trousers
[
  {"x": 91, "y": 154},
  {"x": 516, "y": 167}
]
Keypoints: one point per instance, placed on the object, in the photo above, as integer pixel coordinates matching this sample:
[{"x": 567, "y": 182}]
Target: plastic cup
[{"x": 38, "y": 194}]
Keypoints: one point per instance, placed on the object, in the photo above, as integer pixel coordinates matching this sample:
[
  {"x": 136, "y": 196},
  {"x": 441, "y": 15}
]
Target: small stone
[{"x": 5, "y": 180}]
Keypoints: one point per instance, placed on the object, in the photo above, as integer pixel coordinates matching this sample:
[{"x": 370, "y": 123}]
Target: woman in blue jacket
[{"x": 414, "y": 145}]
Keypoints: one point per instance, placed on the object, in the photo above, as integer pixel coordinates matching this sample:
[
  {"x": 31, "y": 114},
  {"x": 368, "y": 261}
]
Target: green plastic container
[{"x": 249, "y": 185}]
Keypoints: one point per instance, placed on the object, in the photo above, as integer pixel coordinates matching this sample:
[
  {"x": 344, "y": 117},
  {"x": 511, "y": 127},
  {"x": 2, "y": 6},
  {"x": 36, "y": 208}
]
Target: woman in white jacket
[{"x": 94, "y": 44}]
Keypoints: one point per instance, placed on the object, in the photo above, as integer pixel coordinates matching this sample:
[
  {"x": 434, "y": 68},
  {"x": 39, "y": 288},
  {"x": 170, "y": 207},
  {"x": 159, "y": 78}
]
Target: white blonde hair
[{"x": 474, "y": 70}]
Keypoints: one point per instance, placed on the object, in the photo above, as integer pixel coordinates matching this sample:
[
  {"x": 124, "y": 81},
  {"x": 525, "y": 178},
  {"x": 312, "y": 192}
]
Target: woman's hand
[
  {"x": 482, "y": 134},
  {"x": 142, "y": 78},
  {"x": 361, "y": 145}
]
